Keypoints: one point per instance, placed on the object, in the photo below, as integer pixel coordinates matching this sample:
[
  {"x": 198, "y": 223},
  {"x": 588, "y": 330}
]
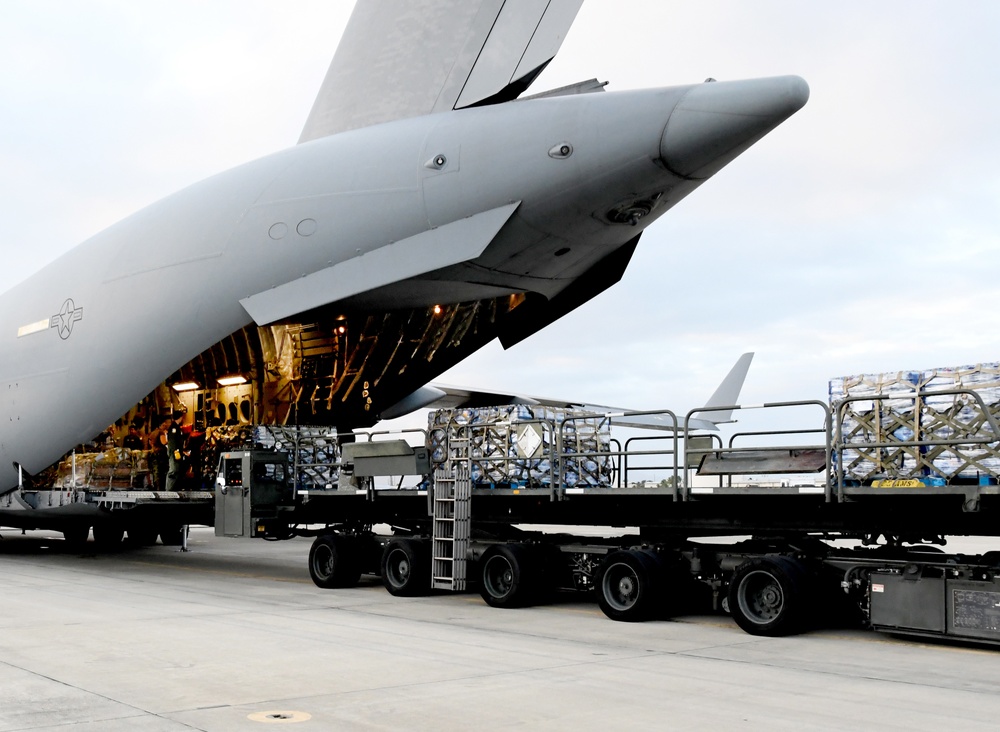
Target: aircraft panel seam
[{"x": 479, "y": 55}]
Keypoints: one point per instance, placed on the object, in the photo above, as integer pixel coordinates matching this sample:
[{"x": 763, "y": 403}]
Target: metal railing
[
  {"x": 826, "y": 446},
  {"x": 576, "y": 451},
  {"x": 921, "y": 452}
]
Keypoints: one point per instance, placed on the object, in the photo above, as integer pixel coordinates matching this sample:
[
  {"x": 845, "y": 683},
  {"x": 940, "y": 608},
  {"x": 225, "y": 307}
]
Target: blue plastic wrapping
[
  {"x": 904, "y": 416},
  {"x": 516, "y": 445}
]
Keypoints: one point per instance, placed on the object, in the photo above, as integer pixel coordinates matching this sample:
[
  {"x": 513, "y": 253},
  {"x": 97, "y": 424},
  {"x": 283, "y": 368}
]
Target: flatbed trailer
[
  {"x": 110, "y": 492},
  {"x": 468, "y": 522}
]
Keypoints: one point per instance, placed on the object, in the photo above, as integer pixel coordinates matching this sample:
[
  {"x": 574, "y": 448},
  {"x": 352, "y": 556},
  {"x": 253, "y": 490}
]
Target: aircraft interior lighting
[{"x": 231, "y": 380}]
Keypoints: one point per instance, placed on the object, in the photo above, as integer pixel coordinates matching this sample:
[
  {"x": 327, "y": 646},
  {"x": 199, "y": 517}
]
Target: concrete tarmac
[{"x": 234, "y": 636}]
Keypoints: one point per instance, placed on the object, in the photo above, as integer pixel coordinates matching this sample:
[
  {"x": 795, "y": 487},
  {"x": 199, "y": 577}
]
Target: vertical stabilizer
[
  {"x": 407, "y": 58},
  {"x": 728, "y": 393}
]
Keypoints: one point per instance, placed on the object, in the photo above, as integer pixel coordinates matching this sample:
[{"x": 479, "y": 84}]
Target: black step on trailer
[{"x": 785, "y": 529}]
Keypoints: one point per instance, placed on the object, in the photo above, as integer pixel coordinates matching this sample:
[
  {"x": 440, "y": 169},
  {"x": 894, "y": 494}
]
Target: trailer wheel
[
  {"x": 767, "y": 596},
  {"x": 629, "y": 585},
  {"x": 405, "y": 567},
  {"x": 76, "y": 536},
  {"x": 108, "y": 536},
  {"x": 333, "y": 562},
  {"x": 142, "y": 535},
  {"x": 505, "y": 576}
]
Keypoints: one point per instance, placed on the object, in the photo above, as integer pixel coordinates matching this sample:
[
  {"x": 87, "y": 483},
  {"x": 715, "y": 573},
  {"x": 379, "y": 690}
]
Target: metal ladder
[{"x": 452, "y": 520}]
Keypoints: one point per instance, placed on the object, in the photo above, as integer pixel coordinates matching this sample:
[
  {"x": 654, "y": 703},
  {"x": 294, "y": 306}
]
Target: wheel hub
[
  {"x": 324, "y": 562},
  {"x": 764, "y": 600},
  {"x": 770, "y": 597},
  {"x": 499, "y": 577}
]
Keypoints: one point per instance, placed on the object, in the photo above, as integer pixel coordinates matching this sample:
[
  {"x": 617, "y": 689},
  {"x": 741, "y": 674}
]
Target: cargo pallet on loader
[
  {"x": 483, "y": 480},
  {"x": 110, "y": 492}
]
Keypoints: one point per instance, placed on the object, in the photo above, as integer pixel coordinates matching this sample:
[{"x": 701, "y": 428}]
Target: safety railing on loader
[
  {"x": 574, "y": 453},
  {"x": 948, "y": 441},
  {"x": 763, "y": 459},
  {"x": 941, "y": 441},
  {"x": 604, "y": 462}
]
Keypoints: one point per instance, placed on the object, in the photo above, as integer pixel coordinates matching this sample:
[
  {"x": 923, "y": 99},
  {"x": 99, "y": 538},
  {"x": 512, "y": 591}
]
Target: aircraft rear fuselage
[{"x": 580, "y": 176}]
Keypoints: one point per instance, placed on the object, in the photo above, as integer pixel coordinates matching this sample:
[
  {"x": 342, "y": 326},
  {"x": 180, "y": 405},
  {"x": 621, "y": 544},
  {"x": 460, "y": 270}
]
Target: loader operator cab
[{"x": 251, "y": 488}]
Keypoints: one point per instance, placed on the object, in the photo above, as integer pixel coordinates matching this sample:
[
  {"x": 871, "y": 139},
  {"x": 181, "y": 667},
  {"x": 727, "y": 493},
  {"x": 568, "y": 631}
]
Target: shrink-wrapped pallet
[
  {"x": 114, "y": 469},
  {"x": 516, "y": 445},
  {"x": 909, "y": 414},
  {"x": 312, "y": 452},
  {"x": 73, "y": 472}
]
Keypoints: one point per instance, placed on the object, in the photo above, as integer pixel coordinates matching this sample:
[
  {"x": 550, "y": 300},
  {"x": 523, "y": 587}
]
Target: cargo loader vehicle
[{"x": 839, "y": 517}]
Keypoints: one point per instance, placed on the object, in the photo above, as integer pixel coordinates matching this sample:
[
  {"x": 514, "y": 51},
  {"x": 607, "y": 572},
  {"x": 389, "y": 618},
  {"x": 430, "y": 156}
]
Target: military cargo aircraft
[{"x": 428, "y": 208}]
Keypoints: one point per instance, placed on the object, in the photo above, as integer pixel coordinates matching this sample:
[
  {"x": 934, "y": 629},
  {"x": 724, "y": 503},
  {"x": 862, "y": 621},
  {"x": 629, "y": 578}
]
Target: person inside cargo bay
[{"x": 176, "y": 453}]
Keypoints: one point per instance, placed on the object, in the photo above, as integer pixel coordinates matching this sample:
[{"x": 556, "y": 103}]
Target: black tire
[
  {"x": 333, "y": 562},
  {"x": 405, "y": 567},
  {"x": 769, "y": 596},
  {"x": 507, "y": 576},
  {"x": 630, "y": 585},
  {"x": 76, "y": 536},
  {"x": 108, "y": 536},
  {"x": 142, "y": 535},
  {"x": 172, "y": 535}
]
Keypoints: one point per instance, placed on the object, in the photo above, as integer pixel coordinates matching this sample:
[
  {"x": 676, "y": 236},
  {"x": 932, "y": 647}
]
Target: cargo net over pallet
[
  {"x": 880, "y": 437},
  {"x": 521, "y": 446},
  {"x": 314, "y": 455}
]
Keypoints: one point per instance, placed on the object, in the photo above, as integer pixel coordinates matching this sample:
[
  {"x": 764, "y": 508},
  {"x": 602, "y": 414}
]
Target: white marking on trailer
[
  {"x": 703, "y": 490},
  {"x": 361, "y": 493},
  {"x": 811, "y": 489},
  {"x": 878, "y": 588},
  {"x": 575, "y": 491},
  {"x": 421, "y": 493}
]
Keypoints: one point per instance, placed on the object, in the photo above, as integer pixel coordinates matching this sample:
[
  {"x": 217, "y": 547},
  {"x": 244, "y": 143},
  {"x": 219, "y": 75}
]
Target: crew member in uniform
[{"x": 175, "y": 451}]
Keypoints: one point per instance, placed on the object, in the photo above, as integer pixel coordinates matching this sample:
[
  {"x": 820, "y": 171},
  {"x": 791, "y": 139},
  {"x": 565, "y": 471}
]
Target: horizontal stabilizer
[
  {"x": 590, "y": 86},
  {"x": 427, "y": 251}
]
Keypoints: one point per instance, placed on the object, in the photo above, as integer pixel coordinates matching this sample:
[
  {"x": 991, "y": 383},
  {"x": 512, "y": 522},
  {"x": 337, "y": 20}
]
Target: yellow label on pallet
[{"x": 899, "y": 483}]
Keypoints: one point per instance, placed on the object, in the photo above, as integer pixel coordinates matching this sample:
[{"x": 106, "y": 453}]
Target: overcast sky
[{"x": 862, "y": 235}]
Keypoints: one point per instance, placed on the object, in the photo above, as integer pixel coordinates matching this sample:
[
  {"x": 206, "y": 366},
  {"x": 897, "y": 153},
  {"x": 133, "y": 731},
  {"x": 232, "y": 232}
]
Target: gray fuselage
[{"x": 93, "y": 332}]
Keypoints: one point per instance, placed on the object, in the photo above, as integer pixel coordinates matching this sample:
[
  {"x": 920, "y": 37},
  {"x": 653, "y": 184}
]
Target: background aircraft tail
[
  {"x": 439, "y": 396},
  {"x": 728, "y": 393}
]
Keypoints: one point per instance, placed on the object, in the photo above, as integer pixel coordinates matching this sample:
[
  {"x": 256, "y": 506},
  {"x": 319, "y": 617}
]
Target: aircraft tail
[
  {"x": 436, "y": 396},
  {"x": 401, "y": 58},
  {"x": 728, "y": 393}
]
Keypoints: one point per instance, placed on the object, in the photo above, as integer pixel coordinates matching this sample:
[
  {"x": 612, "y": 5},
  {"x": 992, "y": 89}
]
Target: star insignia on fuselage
[{"x": 64, "y": 319}]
